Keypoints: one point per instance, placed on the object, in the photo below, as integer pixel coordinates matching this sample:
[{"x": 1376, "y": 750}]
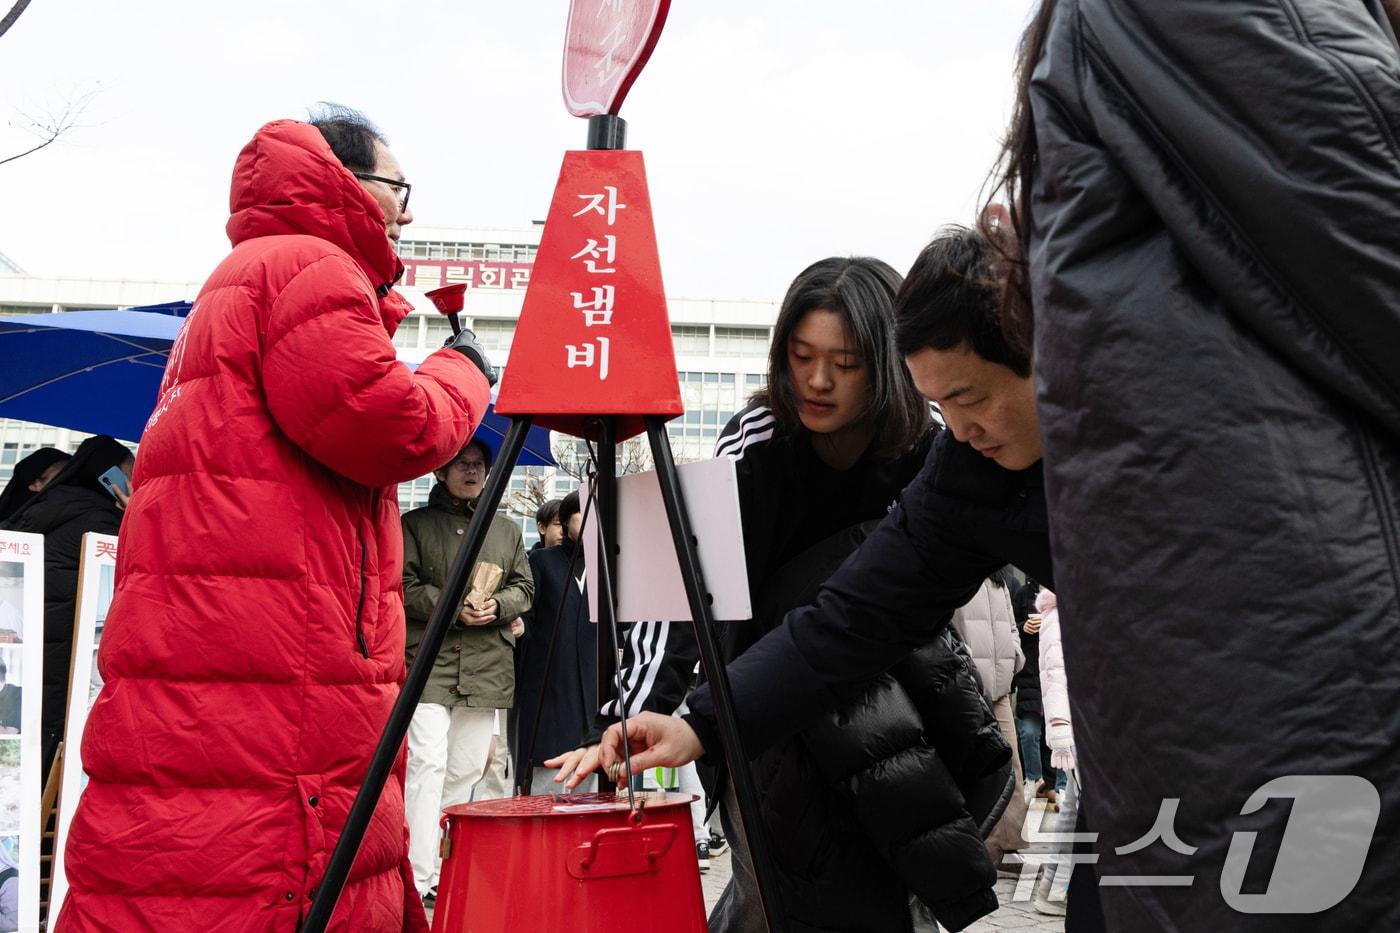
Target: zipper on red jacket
[{"x": 360, "y": 610}]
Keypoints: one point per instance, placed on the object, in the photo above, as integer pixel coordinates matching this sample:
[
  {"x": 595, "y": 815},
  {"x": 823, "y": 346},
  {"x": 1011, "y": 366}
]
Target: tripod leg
[
  {"x": 606, "y": 479},
  {"x": 453, "y": 588},
  {"x": 739, "y": 771}
]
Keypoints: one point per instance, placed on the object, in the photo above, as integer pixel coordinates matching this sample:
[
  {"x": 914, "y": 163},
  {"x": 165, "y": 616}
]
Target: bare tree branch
[
  {"x": 526, "y": 502},
  {"x": 13, "y": 15},
  {"x": 48, "y": 126},
  {"x": 633, "y": 456},
  {"x": 571, "y": 457}
]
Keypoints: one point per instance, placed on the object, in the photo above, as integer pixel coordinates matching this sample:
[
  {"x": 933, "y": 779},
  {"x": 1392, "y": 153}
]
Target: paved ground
[{"x": 1015, "y": 914}]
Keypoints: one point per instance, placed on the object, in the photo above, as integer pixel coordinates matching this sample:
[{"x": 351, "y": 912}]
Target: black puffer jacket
[
  {"x": 920, "y": 757},
  {"x": 917, "y": 765},
  {"x": 1216, "y": 275}
]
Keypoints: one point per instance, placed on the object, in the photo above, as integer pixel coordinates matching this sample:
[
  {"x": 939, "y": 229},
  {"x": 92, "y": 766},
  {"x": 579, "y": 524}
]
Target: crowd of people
[{"x": 1097, "y": 502}]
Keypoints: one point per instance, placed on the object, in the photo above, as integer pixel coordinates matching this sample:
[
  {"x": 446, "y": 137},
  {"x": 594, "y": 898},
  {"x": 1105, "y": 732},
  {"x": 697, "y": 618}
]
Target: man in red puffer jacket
[{"x": 255, "y": 643}]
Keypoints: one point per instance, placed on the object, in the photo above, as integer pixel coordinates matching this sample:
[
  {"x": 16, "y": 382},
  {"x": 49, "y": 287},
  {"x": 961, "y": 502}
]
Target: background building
[{"x": 721, "y": 346}]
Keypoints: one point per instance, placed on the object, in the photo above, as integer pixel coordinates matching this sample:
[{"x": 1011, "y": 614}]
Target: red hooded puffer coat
[{"x": 255, "y": 643}]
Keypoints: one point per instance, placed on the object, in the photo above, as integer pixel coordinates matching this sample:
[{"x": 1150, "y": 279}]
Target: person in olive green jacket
[{"x": 449, "y": 739}]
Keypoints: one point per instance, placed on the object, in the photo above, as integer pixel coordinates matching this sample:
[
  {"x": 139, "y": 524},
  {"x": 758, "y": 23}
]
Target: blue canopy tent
[
  {"x": 92, "y": 371},
  {"x": 99, "y": 372}
]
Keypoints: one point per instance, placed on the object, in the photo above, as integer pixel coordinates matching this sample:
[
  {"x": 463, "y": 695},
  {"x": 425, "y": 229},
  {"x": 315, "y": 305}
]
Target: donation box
[{"x": 585, "y": 863}]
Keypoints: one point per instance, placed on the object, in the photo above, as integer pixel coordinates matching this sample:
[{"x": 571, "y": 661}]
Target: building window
[
  {"x": 741, "y": 341},
  {"x": 691, "y": 340},
  {"x": 436, "y": 330},
  {"x": 494, "y": 335},
  {"x": 407, "y": 336}
]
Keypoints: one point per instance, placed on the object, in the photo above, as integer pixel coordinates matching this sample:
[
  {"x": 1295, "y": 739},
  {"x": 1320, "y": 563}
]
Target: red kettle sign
[{"x": 605, "y": 47}]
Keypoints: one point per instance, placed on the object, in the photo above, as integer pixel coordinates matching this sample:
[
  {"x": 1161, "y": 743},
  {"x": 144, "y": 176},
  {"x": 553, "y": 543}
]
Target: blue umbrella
[
  {"x": 99, "y": 372},
  {"x": 92, "y": 371},
  {"x": 492, "y": 431}
]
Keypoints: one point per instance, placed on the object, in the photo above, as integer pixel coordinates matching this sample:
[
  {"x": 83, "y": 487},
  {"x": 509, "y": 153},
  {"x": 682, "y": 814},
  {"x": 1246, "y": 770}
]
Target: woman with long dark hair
[{"x": 820, "y": 453}]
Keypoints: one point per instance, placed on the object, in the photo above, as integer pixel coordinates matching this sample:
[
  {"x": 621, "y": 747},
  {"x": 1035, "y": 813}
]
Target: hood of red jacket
[{"x": 287, "y": 181}]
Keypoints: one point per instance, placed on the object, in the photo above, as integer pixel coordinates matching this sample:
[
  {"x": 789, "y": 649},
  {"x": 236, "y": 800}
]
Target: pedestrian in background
[
  {"x": 1040, "y": 778},
  {"x": 30, "y": 475},
  {"x": 987, "y": 624},
  {"x": 557, "y": 693},
  {"x": 452, "y": 730},
  {"x": 547, "y": 524},
  {"x": 1051, "y": 890}
]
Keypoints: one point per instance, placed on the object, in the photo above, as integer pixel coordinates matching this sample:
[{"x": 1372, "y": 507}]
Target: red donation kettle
[{"x": 582, "y": 862}]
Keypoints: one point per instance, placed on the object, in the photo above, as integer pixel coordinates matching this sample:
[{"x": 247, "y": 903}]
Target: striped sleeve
[
  {"x": 749, "y": 427},
  {"x": 658, "y": 658},
  {"x": 657, "y": 661}
]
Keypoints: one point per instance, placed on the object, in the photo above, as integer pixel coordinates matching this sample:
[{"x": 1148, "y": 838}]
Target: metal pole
[
  {"x": 740, "y": 774},
  {"x": 391, "y": 740},
  {"x": 606, "y": 482}
]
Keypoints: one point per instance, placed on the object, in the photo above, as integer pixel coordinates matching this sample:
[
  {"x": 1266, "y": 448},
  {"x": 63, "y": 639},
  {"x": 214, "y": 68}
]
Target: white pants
[
  {"x": 447, "y": 750},
  {"x": 689, "y": 783},
  {"x": 496, "y": 783}
]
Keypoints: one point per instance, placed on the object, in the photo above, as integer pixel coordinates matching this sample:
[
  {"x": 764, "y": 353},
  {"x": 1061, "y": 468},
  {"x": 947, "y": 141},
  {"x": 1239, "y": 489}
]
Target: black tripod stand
[{"x": 605, "y": 132}]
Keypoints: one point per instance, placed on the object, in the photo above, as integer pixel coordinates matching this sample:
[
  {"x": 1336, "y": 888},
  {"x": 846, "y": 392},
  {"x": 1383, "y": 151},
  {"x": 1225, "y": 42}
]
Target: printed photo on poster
[
  {"x": 11, "y": 690},
  {"x": 11, "y": 602},
  {"x": 106, "y": 583},
  {"x": 9, "y": 883},
  {"x": 11, "y": 790},
  {"x": 10, "y": 794}
]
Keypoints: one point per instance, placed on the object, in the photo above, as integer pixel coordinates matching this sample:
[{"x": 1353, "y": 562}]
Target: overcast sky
[{"x": 776, "y": 132}]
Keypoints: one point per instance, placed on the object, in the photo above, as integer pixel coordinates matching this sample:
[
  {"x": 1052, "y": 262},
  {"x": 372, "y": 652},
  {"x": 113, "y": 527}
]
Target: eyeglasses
[
  {"x": 393, "y": 182},
  {"x": 470, "y": 466}
]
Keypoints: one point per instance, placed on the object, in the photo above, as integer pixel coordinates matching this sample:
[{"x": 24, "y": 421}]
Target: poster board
[
  {"x": 649, "y": 573},
  {"x": 21, "y": 747},
  {"x": 97, "y": 575}
]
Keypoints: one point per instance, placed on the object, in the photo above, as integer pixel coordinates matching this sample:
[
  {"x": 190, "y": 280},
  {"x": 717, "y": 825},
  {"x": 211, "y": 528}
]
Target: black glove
[{"x": 465, "y": 344}]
